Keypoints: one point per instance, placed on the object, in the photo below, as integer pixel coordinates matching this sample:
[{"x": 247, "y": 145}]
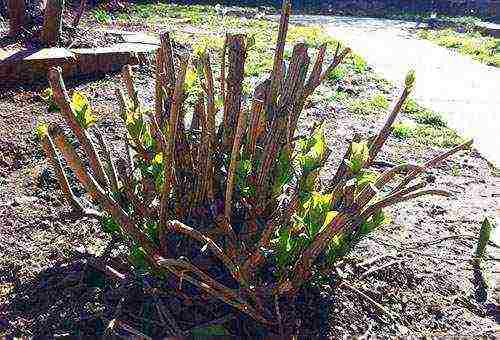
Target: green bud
[
  {"x": 42, "y": 130},
  {"x": 410, "y": 80}
]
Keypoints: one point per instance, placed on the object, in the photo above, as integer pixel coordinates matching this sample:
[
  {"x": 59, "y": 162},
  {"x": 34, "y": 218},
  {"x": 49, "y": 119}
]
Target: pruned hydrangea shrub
[{"x": 230, "y": 202}]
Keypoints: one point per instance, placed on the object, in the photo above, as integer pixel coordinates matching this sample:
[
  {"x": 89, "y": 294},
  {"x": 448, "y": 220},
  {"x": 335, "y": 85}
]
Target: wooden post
[
  {"x": 52, "y": 22},
  {"x": 17, "y": 16}
]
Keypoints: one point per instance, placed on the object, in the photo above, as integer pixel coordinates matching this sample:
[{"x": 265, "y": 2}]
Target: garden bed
[{"x": 412, "y": 277}]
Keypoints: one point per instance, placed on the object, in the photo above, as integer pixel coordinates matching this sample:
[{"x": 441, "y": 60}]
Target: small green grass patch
[
  {"x": 375, "y": 105},
  {"x": 480, "y": 48},
  {"x": 443, "y": 137},
  {"x": 402, "y": 130},
  {"x": 422, "y": 115}
]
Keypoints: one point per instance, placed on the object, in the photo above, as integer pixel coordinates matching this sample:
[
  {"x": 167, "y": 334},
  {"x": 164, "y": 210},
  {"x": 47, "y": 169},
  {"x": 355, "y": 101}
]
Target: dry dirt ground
[{"x": 413, "y": 277}]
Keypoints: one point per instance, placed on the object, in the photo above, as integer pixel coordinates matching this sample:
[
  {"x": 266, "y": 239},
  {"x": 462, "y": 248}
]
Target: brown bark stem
[
  {"x": 178, "y": 227},
  {"x": 168, "y": 60},
  {"x": 234, "y": 91},
  {"x": 286, "y": 11},
  {"x": 111, "y": 167},
  {"x": 387, "y": 129},
  {"x": 210, "y": 128},
  {"x": 210, "y": 286},
  {"x": 129, "y": 83},
  {"x": 97, "y": 192},
  {"x": 50, "y": 151},
  {"x": 62, "y": 100},
  {"x": 434, "y": 161},
  {"x": 240, "y": 131},
  {"x": 169, "y": 153}
]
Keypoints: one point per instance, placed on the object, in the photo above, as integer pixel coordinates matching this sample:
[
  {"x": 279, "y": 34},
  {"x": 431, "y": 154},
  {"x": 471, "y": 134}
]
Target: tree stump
[
  {"x": 17, "y": 16},
  {"x": 52, "y": 22}
]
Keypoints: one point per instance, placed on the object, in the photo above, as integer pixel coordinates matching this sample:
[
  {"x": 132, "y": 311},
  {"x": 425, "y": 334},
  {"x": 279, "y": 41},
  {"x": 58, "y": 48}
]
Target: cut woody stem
[
  {"x": 50, "y": 151},
  {"x": 96, "y": 191},
  {"x": 62, "y": 100}
]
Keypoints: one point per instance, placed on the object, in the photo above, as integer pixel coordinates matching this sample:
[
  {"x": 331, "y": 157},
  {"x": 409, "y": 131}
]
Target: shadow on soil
[
  {"x": 63, "y": 299},
  {"x": 81, "y": 298}
]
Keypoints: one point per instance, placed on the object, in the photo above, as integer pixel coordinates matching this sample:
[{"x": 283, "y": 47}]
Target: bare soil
[
  {"x": 413, "y": 277},
  {"x": 70, "y": 38},
  {"x": 82, "y": 36}
]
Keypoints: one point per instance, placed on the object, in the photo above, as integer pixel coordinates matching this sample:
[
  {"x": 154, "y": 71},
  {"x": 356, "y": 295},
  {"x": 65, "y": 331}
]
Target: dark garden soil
[
  {"x": 71, "y": 37},
  {"x": 413, "y": 277}
]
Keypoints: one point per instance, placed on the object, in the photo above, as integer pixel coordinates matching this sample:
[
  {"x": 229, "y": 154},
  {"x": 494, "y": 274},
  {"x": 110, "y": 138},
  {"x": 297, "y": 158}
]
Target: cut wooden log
[
  {"x": 52, "y": 22},
  {"x": 17, "y": 16}
]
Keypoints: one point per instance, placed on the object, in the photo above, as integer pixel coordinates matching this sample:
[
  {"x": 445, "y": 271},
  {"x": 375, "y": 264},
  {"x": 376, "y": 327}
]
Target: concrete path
[{"x": 465, "y": 91}]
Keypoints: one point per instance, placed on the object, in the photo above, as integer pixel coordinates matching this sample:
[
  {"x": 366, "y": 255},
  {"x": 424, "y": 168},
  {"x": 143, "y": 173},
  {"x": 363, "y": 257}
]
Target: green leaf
[
  {"x": 192, "y": 85},
  {"x": 284, "y": 173},
  {"x": 109, "y": 225},
  {"x": 359, "y": 156},
  {"x": 159, "y": 181},
  {"x": 337, "y": 248},
  {"x": 199, "y": 70},
  {"x": 83, "y": 113},
  {"x": 410, "y": 80},
  {"x": 213, "y": 330},
  {"x": 137, "y": 257},
  {"x": 312, "y": 150},
  {"x": 250, "y": 42},
  {"x": 376, "y": 221},
  {"x": 283, "y": 246},
  {"x": 484, "y": 237},
  {"x": 190, "y": 78},
  {"x": 152, "y": 231},
  {"x": 47, "y": 94},
  {"x": 148, "y": 142},
  {"x": 136, "y": 126},
  {"x": 365, "y": 178},
  {"x": 338, "y": 73},
  {"x": 308, "y": 183},
  {"x": 360, "y": 64},
  {"x": 158, "y": 159},
  {"x": 219, "y": 102},
  {"x": 243, "y": 170},
  {"x": 200, "y": 49},
  {"x": 329, "y": 218},
  {"x": 316, "y": 212}
]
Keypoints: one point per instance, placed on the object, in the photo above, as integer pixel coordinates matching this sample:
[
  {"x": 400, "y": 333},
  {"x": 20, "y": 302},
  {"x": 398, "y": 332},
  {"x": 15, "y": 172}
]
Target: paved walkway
[{"x": 465, "y": 91}]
